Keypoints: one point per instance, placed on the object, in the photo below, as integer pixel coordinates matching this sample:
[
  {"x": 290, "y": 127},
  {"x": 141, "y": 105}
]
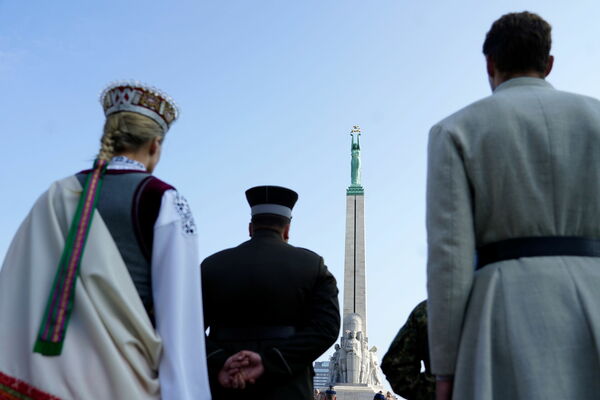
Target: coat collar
[
  {"x": 122, "y": 162},
  {"x": 266, "y": 233},
  {"x": 523, "y": 81}
]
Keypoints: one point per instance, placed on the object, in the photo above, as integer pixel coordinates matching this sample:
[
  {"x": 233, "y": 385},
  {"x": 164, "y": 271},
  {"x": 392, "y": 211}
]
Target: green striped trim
[
  {"x": 8, "y": 393},
  {"x": 5, "y": 390},
  {"x": 60, "y": 303}
]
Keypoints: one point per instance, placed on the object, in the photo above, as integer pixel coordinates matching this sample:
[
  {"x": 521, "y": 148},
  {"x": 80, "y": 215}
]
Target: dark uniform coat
[
  {"x": 267, "y": 283},
  {"x": 402, "y": 362}
]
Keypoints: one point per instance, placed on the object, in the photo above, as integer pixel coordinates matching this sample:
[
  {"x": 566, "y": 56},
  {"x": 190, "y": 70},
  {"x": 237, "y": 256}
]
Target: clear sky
[{"x": 269, "y": 91}]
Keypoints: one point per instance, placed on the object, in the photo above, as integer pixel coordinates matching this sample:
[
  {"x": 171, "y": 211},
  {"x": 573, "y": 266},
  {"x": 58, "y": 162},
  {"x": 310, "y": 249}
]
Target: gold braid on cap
[{"x": 142, "y": 99}]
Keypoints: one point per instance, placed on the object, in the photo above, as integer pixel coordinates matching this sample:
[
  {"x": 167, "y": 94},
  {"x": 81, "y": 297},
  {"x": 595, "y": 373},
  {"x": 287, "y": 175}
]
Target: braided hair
[{"x": 126, "y": 131}]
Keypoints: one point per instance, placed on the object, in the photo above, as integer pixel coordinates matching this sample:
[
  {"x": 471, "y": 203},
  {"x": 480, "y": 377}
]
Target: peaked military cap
[{"x": 271, "y": 200}]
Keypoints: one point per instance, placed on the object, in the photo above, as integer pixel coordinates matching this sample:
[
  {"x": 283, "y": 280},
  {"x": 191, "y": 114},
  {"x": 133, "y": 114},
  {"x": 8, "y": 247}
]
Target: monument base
[{"x": 355, "y": 391}]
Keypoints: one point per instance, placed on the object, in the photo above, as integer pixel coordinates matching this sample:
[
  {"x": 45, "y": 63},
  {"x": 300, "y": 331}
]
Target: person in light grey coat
[{"x": 513, "y": 188}]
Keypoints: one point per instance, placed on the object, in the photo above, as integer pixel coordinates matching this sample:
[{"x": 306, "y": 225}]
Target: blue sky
[{"x": 269, "y": 91}]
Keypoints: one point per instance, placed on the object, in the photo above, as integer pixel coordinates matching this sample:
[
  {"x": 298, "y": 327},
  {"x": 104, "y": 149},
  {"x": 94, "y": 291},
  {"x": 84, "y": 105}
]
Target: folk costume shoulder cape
[{"x": 111, "y": 349}]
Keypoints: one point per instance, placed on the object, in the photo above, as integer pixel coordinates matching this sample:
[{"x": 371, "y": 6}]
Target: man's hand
[
  {"x": 230, "y": 379},
  {"x": 443, "y": 389},
  {"x": 241, "y": 368}
]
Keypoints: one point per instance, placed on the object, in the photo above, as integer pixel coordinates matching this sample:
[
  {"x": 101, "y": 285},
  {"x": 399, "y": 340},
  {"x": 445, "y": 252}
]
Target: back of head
[
  {"x": 135, "y": 114},
  {"x": 126, "y": 131},
  {"x": 270, "y": 221},
  {"x": 519, "y": 43},
  {"x": 271, "y": 207}
]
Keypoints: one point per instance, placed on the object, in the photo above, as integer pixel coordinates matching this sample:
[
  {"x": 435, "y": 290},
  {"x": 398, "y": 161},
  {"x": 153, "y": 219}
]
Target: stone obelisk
[
  {"x": 353, "y": 368},
  {"x": 355, "y": 290}
]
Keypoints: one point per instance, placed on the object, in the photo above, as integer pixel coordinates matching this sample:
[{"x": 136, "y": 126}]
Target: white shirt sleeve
[{"x": 177, "y": 293}]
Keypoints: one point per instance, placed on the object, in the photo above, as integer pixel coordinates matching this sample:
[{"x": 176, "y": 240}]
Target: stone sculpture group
[{"x": 353, "y": 361}]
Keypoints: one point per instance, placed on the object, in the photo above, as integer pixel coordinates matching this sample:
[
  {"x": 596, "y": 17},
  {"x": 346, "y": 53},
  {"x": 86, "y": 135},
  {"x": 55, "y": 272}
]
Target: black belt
[
  {"x": 224, "y": 334},
  {"x": 537, "y": 247}
]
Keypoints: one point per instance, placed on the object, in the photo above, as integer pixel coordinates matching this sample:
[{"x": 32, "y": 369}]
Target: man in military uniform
[
  {"x": 402, "y": 362},
  {"x": 272, "y": 308}
]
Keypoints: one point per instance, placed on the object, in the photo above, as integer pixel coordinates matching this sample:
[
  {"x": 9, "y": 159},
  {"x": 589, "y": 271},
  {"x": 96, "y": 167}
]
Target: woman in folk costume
[{"x": 100, "y": 294}]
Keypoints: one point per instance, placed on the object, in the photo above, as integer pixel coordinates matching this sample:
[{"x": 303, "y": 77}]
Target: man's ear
[
  {"x": 549, "y": 66},
  {"x": 490, "y": 66},
  {"x": 250, "y": 229},
  {"x": 286, "y": 232}
]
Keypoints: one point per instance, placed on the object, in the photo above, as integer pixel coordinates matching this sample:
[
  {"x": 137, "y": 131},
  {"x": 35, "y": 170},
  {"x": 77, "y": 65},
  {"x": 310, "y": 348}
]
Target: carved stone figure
[
  {"x": 353, "y": 357},
  {"x": 373, "y": 368},
  {"x": 355, "y": 163},
  {"x": 366, "y": 362},
  {"x": 334, "y": 366}
]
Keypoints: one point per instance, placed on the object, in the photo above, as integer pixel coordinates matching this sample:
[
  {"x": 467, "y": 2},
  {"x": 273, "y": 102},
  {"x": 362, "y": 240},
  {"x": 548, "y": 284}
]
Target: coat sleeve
[
  {"x": 451, "y": 248},
  {"x": 401, "y": 364},
  {"x": 215, "y": 354},
  {"x": 177, "y": 296},
  {"x": 308, "y": 343}
]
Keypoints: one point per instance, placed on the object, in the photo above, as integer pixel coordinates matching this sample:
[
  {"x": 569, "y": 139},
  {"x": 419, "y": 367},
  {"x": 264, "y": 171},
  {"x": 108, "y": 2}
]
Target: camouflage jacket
[{"x": 402, "y": 362}]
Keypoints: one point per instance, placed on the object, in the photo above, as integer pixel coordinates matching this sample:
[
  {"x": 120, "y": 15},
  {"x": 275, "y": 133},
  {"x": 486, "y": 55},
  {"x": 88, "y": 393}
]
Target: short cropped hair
[
  {"x": 272, "y": 221},
  {"x": 519, "y": 42}
]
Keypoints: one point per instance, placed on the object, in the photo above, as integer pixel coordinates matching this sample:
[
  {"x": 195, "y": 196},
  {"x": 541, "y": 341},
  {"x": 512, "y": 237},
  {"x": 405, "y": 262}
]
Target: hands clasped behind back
[{"x": 240, "y": 369}]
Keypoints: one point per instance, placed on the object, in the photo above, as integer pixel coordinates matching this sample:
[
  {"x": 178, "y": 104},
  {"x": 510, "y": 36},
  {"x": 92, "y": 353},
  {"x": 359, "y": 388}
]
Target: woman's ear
[{"x": 155, "y": 144}]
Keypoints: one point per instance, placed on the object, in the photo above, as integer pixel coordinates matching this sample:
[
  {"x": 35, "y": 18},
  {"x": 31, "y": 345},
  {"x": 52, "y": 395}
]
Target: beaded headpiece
[{"x": 142, "y": 99}]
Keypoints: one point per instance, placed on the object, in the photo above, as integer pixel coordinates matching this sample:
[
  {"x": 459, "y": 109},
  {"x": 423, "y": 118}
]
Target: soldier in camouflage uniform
[{"x": 402, "y": 362}]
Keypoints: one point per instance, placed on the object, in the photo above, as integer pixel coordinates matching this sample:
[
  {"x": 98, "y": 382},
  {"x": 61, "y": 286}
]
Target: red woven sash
[{"x": 15, "y": 389}]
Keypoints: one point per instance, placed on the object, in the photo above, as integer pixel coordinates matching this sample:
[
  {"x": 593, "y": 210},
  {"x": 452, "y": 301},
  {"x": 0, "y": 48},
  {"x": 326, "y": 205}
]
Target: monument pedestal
[{"x": 355, "y": 391}]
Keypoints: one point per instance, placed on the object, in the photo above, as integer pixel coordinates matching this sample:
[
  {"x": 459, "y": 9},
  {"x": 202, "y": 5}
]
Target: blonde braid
[
  {"x": 107, "y": 147},
  {"x": 126, "y": 131}
]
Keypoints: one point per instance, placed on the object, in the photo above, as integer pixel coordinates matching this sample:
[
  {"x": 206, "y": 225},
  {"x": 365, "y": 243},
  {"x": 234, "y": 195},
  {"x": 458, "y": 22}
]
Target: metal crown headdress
[{"x": 142, "y": 99}]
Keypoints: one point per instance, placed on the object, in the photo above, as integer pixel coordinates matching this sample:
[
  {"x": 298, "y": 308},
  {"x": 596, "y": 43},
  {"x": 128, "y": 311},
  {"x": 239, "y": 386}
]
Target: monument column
[
  {"x": 354, "y": 368},
  {"x": 355, "y": 290}
]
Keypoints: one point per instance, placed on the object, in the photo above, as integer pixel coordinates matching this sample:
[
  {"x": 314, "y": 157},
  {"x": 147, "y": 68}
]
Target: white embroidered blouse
[{"x": 177, "y": 294}]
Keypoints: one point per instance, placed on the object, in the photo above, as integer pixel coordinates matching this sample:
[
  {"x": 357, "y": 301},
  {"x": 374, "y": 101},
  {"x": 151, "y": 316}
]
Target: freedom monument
[{"x": 354, "y": 368}]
